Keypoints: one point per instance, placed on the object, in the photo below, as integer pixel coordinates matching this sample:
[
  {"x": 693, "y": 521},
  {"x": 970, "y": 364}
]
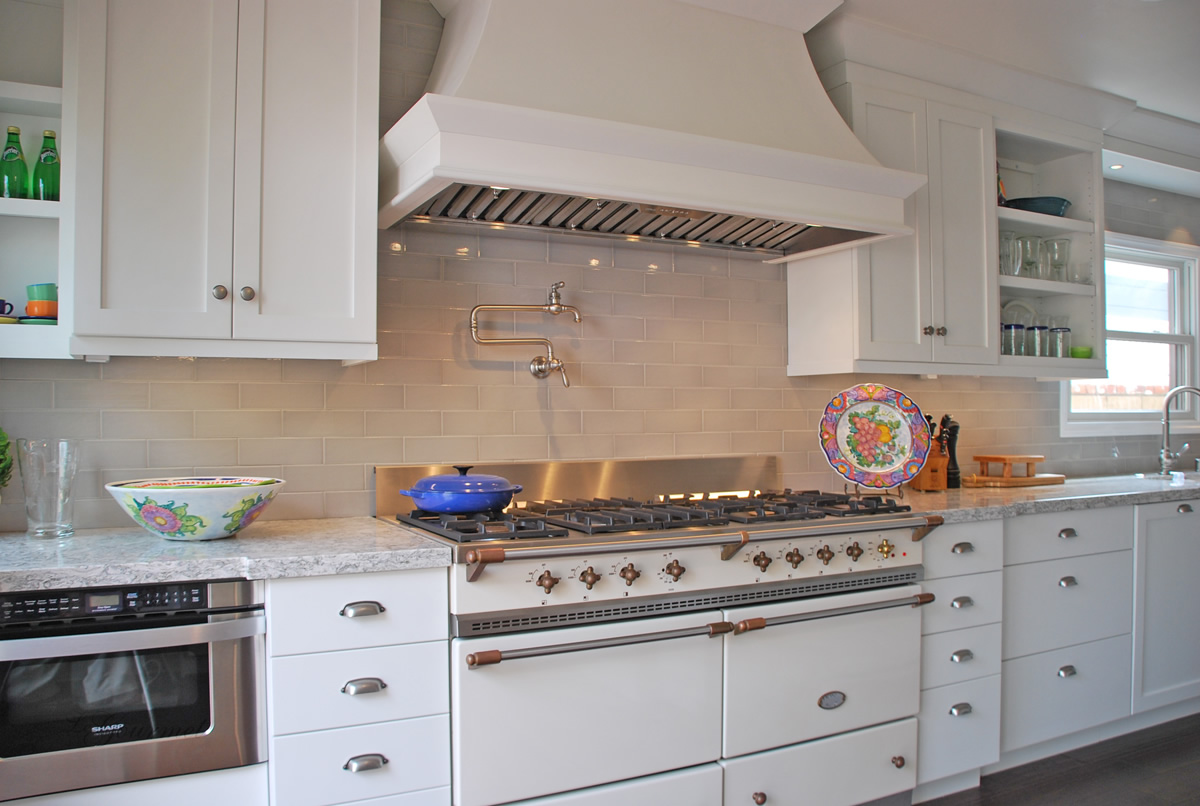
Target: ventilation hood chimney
[{"x": 698, "y": 121}]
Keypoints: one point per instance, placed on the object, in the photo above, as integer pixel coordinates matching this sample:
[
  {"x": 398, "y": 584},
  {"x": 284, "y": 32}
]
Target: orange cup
[{"x": 42, "y": 307}]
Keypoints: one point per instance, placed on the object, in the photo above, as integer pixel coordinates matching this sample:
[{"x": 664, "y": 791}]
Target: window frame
[{"x": 1186, "y": 418}]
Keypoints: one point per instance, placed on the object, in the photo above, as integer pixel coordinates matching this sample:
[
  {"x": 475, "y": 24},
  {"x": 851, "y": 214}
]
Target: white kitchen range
[{"x": 674, "y": 631}]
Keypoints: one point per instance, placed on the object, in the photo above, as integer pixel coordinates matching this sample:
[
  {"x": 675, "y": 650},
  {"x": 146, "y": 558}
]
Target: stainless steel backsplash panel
[{"x": 631, "y": 478}]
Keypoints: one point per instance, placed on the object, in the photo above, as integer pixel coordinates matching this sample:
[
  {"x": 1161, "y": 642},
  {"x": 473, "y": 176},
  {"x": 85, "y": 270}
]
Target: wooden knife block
[{"x": 933, "y": 475}]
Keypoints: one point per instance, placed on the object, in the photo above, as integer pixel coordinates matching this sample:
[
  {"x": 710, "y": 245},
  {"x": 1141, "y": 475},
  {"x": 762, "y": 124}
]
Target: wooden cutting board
[{"x": 985, "y": 478}]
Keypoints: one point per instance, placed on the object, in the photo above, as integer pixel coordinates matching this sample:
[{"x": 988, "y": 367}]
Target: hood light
[{"x": 1116, "y": 167}]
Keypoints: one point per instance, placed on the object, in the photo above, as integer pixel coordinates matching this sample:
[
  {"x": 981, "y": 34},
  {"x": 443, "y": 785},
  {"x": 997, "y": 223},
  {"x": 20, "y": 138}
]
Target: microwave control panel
[{"x": 57, "y": 605}]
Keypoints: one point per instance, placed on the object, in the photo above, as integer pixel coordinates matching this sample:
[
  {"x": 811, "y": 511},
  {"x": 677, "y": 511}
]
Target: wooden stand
[
  {"x": 933, "y": 475},
  {"x": 1006, "y": 477}
]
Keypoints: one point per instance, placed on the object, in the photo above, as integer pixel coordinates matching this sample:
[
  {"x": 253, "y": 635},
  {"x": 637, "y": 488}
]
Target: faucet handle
[{"x": 555, "y": 298}]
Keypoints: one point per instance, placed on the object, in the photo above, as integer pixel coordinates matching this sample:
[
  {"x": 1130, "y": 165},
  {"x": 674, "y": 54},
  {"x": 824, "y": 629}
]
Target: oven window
[{"x": 67, "y": 703}]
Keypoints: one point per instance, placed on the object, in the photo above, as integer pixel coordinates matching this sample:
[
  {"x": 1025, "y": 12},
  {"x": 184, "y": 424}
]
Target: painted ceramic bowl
[{"x": 195, "y": 507}]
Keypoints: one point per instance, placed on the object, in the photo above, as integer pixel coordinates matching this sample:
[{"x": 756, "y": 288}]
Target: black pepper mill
[{"x": 953, "y": 477}]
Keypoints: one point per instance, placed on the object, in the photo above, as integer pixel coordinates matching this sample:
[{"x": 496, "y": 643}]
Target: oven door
[
  {"x": 558, "y": 710},
  {"x": 104, "y": 707},
  {"x": 816, "y": 667}
]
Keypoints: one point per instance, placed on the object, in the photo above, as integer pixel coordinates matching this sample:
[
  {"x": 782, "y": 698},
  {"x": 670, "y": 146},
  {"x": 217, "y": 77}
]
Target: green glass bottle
[
  {"x": 14, "y": 176},
  {"x": 46, "y": 172}
]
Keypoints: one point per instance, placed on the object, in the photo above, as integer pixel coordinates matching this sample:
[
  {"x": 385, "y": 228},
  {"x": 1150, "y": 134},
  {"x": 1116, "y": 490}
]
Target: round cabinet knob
[
  {"x": 247, "y": 293},
  {"x": 762, "y": 560},
  {"x": 547, "y": 581},
  {"x": 885, "y": 548},
  {"x": 927, "y": 330},
  {"x": 825, "y": 554},
  {"x": 794, "y": 557},
  {"x": 898, "y": 761},
  {"x": 220, "y": 292},
  {"x": 629, "y": 574},
  {"x": 589, "y": 577},
  {"x": 675, "y": 569},
  {"x": 854, "y": 551},
  {"x": 941, "y": 331},
  {"x": 759, "y": 797}
]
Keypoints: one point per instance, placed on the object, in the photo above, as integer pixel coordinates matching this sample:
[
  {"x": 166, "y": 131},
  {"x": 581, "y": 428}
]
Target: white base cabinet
[
  {"x": 216, "y": 215},
  {"x": 358, "y": 689},
  {"x": 1166, "y": 630},
  {"x": 243, "y": 786}
]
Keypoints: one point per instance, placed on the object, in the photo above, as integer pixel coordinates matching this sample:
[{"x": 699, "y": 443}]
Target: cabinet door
[
  {"x": 307, "y": 152},
  {"x": 154, "y": 222},
  {"x": 893, "y": 276},
  {"x": 1166, "y": 647},
  {"x": 962, "y": 235}
]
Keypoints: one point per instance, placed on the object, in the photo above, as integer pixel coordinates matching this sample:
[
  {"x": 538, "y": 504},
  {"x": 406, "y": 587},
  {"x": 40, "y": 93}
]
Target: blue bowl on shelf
[{"x": 1046, "y": 205}]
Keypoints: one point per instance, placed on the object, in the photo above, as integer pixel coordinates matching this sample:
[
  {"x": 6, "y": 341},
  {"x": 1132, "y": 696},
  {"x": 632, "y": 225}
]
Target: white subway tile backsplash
[
  {"x": 589, "y": 446},
  {"x": 26, "y": 394},
  {"x": 581, "y": 251},
  {"x": 688, "y": 308},
  {"x": 641, "y": 352},
  {"x": 674, "y": 285},
  {"x": 440, "y": 398},
  {"x": 289, "y": 451},
  {"x": 101, "y": 395},
  {"x": 608, "y": 279},
  {"x": 512, "y": 449},
  {"x": 282, "y": 396},
  {"x": 369, "y": 450},
  {"x": 324, "y": 423},
  {"x": 51, "y": 424},
  {"x": 673, "y": 421},
  {"x": 643, "y": 446},
  {"x": 547, "y": 423},
  {"x": 523, "y": 247},
  {"x": 437, "y": 451},
  {"x": 400, "y": 423},
  {"x": 148, "y": 369},
  {"x": 612, "y": 375},
  {"x": 481, "y": 271},
  {"x": 193, "y": 396},
  {"x": 480, "y": 423},
  {"x": 712, "y": 263},
  {"x": 152, "y": 425},
  {"x": 193, "y": 452}
]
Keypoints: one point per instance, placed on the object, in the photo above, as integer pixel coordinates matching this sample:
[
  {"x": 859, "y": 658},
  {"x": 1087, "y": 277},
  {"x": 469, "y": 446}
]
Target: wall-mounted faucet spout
[
  {"x": 542, "y": 365},
  {"x": 1167, "y": 459}
]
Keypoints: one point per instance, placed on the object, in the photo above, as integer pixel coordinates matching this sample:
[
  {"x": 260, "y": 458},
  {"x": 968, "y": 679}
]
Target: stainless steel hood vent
[
  {"x": 514, "y": 209},
  {"x": 698, "y": 121}
]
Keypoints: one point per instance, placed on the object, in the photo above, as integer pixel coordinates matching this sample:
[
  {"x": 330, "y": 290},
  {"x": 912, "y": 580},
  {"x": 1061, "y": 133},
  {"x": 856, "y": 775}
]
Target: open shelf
[
  {"x": 1026, "y": 223},
  {"x": 1029, "y": 287},
  {"x": 30, "y": 99}
]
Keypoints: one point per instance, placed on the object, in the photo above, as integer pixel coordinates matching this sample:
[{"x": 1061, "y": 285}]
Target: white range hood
[{"x": 688, "y": 120}]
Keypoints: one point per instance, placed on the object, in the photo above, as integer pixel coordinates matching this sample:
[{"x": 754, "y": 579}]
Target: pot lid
[{"x": 464, "y": 482}]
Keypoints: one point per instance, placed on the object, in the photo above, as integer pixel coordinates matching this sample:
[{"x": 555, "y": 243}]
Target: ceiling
[{"x": 1146, "y": 51}]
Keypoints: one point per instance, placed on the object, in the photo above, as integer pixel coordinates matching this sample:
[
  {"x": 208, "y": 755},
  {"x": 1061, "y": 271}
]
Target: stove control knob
[
  {"x": 885, "y": 548},
  {"x": 854, "y": 551},
  {"x": 794, "y": 557},
  {"x": 589, "y": 577},
  {"x": 629, "y": 574},
  {"x": 547, "y": 580},
  {"x": 762, "y": 560},
  {"x": 825, "y": 554},
  {"x": 675, "y": 569}
]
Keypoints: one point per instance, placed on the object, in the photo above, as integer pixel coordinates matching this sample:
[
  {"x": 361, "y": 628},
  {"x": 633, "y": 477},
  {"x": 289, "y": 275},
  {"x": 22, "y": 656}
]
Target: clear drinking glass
[
  {"x": 1060, "y": 342},
  {"x": 48, "y": 469},
  {"x": 1037, "y": 340},
  {"x": 1010, "y": 256},
  {"x": 1058, "y": 255},
  {"x": 1012, "y": 339},
  {"x": 1029, "y": 247}
]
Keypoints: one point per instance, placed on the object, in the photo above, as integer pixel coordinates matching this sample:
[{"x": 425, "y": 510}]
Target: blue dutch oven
[{"x": 466, "y": 492}]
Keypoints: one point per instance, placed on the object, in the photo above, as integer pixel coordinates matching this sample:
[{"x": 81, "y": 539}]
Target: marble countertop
[
  {"x": 266, "y": 550},
  {"x": 300, "y": 548}
]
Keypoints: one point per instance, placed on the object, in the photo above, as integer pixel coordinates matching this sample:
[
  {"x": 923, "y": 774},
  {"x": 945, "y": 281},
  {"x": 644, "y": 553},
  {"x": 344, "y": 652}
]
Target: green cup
[{"x": 42, "y": 291}]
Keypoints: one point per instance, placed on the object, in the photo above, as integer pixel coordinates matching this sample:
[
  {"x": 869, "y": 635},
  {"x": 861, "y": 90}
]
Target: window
[{"x": 1150, "y": 341}]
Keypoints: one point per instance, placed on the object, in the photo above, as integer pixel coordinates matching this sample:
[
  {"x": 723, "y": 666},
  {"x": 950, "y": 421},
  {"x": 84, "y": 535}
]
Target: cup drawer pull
[
  {"x": 962, "y": 656},
  {"x": 1067, "y": 671},
  {"x": 363, "y": 685},
  {"x": 959, "y": 602},
  {"x": 1068, "y": 582},
  {"x": 962, "y": 548},
  {"x": 367, "y": 761},
  {"x": 960, "y": 709},
  {"x": 360, "y": 609},
  {"x": 1068, "y": 533}
]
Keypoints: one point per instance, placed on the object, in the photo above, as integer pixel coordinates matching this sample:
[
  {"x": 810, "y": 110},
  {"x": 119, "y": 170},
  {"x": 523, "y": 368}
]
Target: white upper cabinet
[
  {"x": 926, "y": 300},
  {"x": 227, "y": 178}
]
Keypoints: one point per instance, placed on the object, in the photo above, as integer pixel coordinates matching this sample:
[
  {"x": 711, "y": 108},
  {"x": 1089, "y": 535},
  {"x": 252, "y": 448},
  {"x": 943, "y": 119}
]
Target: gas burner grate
[
  {"x": 839, "y": 504},
  {"x": 483, "y": 525}
]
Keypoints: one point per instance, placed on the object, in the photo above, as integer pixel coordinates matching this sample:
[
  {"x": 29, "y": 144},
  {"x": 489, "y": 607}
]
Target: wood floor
[{"x": 1153, "y": 767}]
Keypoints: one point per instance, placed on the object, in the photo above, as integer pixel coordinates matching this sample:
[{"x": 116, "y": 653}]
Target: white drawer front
[
  {"x": 311, "y": 692},
  {"x": 959, "y": 728},
  {"x": 1050, "y": 535},
  {"x": 1071, "y": 601},
  {"x": 696, "y": 786},
  {"x": 958, "y": 655},
  {"x": 305, "y": 615},
  {"x": 964, "y": 548},
  {"x": 307, "y": 768},
  {"x": 839, "y": 771},
  {"x": 960, "y": 602},
  {"x": 1055, "y": 693}
]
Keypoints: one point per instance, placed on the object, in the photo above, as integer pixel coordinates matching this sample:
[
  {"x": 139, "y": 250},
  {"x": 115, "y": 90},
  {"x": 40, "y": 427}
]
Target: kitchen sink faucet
[{"x": 1167, "y": 459}]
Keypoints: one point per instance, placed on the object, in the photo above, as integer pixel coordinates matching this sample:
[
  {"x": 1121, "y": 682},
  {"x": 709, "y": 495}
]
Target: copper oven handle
[
  {"x": 750, "y": 624},
  {"x": 490, "y": 657}
]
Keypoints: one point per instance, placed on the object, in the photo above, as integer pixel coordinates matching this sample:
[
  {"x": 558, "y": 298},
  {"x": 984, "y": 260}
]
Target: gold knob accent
[
  {"x": 762, "y": 560},
  {"x": 854, "y": 551},
  {"x": 547, "y": 580},
  {"x": 629, "y": 574},
  {"x": 589, "y": 577},
  {"x": 885, "y": 548},
  {"x": 825, "y": 554},
  {"x": 794, "y": 557},
  {"x": 675, "y": 569}
]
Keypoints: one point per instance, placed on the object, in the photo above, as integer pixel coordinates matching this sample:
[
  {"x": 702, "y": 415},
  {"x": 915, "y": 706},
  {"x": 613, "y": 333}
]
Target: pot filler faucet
[
  {"x": 542, "y": 365},
  {"x": 1167, "y": 459}
]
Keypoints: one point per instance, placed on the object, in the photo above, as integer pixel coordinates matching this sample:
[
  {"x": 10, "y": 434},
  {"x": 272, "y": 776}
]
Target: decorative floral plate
[{"x": 875, "y": 436}]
